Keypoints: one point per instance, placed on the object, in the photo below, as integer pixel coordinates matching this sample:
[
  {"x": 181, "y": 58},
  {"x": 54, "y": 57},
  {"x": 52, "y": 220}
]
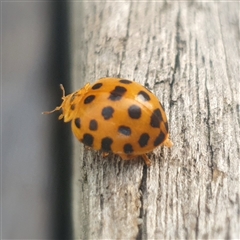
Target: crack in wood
[{"x": 142, "y": 215}]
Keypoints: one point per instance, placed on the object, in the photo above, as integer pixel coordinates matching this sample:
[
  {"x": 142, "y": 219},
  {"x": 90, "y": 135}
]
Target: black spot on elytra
[
  {"x": 107, "y": 112},
  {"x": 143, "y": 140},
  {"x": 106, "y": 144},
  {"x": 88, "y": 139},
  {"x": 117, "y": 93},
  {"x": 72, "y": 106},
  {"x": 166, "y": 126},
  {"x": 89, "y": 99},
  {"x": 93, "y": 125},
  {"x": 134, "y": 112},
  {"x": 159, "y": 139},
  {"x": 125, "y": 130},
  {"x": 143, "y": 96},
  {"x": 77, "y": 122},
  {"x": 125, "y": 81},
  {"x": 156, "y": 118},
  {"x": 128, "y": 148},
  {"x": 97, "y": 86}
]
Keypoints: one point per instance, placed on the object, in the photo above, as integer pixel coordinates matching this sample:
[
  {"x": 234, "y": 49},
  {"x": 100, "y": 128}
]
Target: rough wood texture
[{"x": 188, "y": 55}]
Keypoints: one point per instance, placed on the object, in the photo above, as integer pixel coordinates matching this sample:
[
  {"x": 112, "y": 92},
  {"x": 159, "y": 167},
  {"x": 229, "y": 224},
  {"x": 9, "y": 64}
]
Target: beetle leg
[
  {"x": 146, "y": 160},
  {"x": 105, "y": 154},
  {"x": 87, "y": 147},
  {"x": 144, "y": 156}
]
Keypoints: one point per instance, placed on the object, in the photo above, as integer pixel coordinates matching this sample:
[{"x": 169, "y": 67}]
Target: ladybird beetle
[{"x": 116, "y": 115}]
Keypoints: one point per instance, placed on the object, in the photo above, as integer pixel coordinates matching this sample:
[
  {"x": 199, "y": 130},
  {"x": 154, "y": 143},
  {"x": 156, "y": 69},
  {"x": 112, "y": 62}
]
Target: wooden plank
[{"x": 187, "y": 53}]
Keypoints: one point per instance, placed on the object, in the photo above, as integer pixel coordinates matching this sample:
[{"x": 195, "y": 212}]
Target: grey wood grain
[{"x": 187, "y": 53}]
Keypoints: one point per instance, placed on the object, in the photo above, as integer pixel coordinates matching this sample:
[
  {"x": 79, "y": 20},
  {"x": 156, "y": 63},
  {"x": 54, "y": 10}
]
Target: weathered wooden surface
[{"x": 188, "y": 55}]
